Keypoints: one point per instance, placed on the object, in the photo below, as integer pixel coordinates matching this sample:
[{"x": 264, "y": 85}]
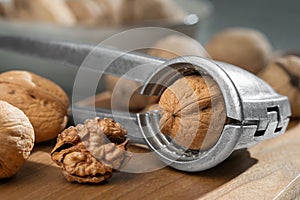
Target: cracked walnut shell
[
  {"x": 16, "y": 139},
  {"x": 44, "y": 103},
  {"x": 193, "y": 112},
  {"x": 86, "y": 155}
]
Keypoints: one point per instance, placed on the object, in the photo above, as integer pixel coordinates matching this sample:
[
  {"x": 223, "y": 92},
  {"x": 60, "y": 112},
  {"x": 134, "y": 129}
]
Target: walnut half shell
[{"x": 85, "y": 152}]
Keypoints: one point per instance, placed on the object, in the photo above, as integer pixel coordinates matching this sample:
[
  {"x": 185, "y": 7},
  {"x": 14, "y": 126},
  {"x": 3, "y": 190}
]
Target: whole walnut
[
  {"x": 126, "y": 94},
  {"x": 90, "y": 153},
  {"x": 139, "y": 11},
  {"x": 193, "y": 112},
  {"x": 283, "y": 74},
  {"x": 45, "y": 103},
  {"x": 16, "y": 139},
  {"x": 2, "y": 10},
  {"x": 54, "y": 11},
  {"x": 173, "y": 46},
  {"x": 91, "y": 12},
  {"x": 243, "y": 47}
]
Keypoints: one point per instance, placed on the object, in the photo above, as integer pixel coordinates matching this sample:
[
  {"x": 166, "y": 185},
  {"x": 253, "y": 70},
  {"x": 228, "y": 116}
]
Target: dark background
[{"x": 278, "y": 19}]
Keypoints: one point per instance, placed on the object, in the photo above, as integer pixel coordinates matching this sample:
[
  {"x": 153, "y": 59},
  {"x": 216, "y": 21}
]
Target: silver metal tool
[{"x": 254, "y": 110}]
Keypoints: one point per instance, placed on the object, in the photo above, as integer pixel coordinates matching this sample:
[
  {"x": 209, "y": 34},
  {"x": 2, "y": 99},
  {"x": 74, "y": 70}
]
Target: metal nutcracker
[{"x": 255, "y": 111}]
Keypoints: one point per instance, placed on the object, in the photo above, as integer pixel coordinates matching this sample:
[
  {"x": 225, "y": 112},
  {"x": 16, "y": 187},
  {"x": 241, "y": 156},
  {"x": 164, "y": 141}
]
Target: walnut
[
  {"x": 86, "y": 155},
  {"x": 91, "y": 12},
  {"x": 45, "y": 103},
  {"x": 127, "y": 90},
  {"x": 173, "y": 46},
  {"x": 16, "y": 139},
  {"x": 139, "y": 11},
  {"x": 193, "y": 112},
  {"x": 2, "y": 10},
  {"x": 54, "y": 11},
  {"x": 283, "y": 74},
  {"x": 243, "y": 47}
]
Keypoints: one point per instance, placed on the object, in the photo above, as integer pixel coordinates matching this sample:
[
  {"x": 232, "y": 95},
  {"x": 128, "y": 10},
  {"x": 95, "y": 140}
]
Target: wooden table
[{"x": 265, "y": 171}]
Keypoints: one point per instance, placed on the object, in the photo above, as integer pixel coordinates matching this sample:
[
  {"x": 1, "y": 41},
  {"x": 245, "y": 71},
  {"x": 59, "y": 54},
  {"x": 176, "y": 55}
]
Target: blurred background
[{"x": 279, "y": 20}]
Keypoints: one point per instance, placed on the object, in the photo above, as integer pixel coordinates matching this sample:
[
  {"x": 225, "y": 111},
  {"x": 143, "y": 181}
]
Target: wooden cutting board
[{"x": 265, "y": 171}]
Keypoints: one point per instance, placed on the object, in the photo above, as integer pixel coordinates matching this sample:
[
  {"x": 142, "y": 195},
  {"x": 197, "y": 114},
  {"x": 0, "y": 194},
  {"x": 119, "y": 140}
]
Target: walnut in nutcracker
[
  {"x": 283, "y": 74},
  {"x": 243, "y": 47},
  {"x": 16, "y": 139},
  {"x": 193, "y": 112},
  {"x": 90, "y": 153},
  {"x": 45, "y": 103}
]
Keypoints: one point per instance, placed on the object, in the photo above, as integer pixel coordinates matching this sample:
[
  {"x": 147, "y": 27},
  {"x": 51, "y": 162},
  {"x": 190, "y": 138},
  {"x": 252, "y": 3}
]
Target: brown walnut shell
[
  {"x": 243, "y": 47},
  {"x": 174, "y": 46},
  {"x": 91, "y": 12},
  {"x": 193, "y": 112},
  {"x": 54, "y": 11},
  {"x": 16, "y": 139},
  {"x": 283, "y": 74},
  {"x": 139, "y": 11},
  {"x": 45, "y": 103},
  {"x": 86, "y": 155}
]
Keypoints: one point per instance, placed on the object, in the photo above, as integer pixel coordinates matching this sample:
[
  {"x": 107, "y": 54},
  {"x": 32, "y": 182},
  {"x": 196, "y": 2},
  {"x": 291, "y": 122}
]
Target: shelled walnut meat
[
  {"x": 193, "y": 112},
  {"x": 44, "y": 103},
  {"x": 243, "y": 47},
  {"x": 86, "y": 155},
  {"x": 16, "y": 139}
]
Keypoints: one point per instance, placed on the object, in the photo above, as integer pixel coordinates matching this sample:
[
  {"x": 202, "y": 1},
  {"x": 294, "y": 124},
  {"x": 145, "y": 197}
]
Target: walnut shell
[
  {"x": 193, "y": 112},
  {"x": 45, "y": 103},
  {"x": 126, "y": 95},
  {"x": 283, "y": 74},
  {"x": 243, "y": 47},
  {"x": 139, "y": 11},
  {"x": 91, "y": 12},
  {"x": 84, "y": 153},
  {"x": 173, "y": 46},
  {"x": 16, "y": 139},
  {"x": 2, "y": 10},
  {"x": 54, "y": 11}
]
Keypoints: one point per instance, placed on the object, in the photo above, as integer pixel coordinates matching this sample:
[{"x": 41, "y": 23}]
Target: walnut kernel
[
  {"x": 16, "y": 139},
  {"x": 86, "y": 155}
]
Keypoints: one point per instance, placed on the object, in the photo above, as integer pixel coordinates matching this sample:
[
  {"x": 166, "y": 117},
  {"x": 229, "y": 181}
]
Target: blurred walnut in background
[
  {"x": 243, "y": 47},
  {"x": 174, "y": 45},
  {"x": 93, "y": 12},
  {"x": 283, "y": 74}
]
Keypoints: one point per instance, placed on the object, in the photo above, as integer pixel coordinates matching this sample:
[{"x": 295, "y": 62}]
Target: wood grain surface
[{"x": 266, "y": 171}]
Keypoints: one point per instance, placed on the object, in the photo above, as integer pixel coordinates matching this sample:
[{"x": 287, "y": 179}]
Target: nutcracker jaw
[{"x": 255, "y": 110}]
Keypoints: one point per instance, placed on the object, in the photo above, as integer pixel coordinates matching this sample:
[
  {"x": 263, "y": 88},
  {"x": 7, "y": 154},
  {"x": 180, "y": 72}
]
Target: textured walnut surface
[
  {"x": 283, "y": 74},
  {"x": 90, "y": 153},
  {"x": 193, "y": 112},
  {"x": 44, "y": 103},
  {"x": 16, "y": 139}
]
